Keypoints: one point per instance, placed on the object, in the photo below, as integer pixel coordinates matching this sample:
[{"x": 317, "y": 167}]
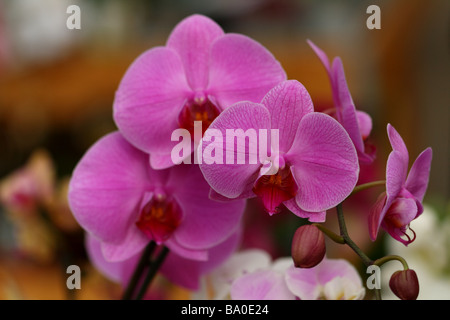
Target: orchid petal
[
  {"x": 107, "y": 186},
  {"x": 239, "y": 177},
  {"x": 192, "y": 39},
  {"x": 206, "y": 222},
  {"x": 150, "y": 98},
  {"x": 287, "y": 103},
  {"x": 419, "y": 174},
  {"x": 324, "y": 163},
  {"x": 241, "y": 69},
  {"x": 261, "y": 285}
]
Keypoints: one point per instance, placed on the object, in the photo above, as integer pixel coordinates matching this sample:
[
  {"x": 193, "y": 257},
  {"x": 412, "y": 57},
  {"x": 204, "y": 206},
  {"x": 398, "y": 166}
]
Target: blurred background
[{"x": 57, "y": 88}]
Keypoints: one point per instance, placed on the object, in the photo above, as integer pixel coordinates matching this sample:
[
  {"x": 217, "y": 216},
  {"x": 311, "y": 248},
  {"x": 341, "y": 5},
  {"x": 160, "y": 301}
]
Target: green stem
[
  {"x": 143, "y": 262},
  {"x": 367, "y": 186},
  {"x": 343, "y": 230},
  {"x": 330, "y": 234},
  {"x": 153, "y": 269},
  {"x": 344, "y": 234},
  {"x": 385, "y": 259}
]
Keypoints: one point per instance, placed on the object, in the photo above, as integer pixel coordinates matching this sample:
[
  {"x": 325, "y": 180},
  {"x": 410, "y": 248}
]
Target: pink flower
[
  {"x": 199, "y": 73},
  {"x": 332, "y": 279},
  {"x": 175, "y": 268},
  {"x": 316, "y": 166},
  {"x": 31, "y": 187},
  {"x": 120, "y": 200},
  {"x": 357, "y": 123},
  {"x": 402, "y": 201}
]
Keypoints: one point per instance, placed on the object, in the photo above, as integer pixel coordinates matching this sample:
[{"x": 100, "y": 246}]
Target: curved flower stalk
[
  {"x": 121, "y": 201},
  {"x": 396, "y": 208},
  {"x": 357, "y": 123},
  {"x": 195, "y": 76},
  {"x": 312, "y": 169},
  {"x": 175, "y": 268}
]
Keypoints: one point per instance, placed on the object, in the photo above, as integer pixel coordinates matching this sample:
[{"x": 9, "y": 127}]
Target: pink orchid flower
[
  {"x": 357, "y": 123},
  {"x": 120, "y": 200},
  {"x": 196, "y": 75},
  {"x": 175, "y": 268},
  {"x": 332, "y": 279},
  {"x": 402, "y": 202},
  {"x": 316, "y": 163}
]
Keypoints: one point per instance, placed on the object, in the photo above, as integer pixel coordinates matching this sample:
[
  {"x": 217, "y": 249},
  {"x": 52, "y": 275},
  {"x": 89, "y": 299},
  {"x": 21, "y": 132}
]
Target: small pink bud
[
  {"x": 404, "y": 284},
  {"x": 308, "y": 246}
]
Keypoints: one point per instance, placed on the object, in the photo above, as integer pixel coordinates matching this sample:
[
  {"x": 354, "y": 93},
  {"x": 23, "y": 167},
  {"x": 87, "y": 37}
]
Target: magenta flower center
[
  {"x": 159, "y": 218},
  {"x": 275, "y": 189},
  {"x": 197, "y": 109}
]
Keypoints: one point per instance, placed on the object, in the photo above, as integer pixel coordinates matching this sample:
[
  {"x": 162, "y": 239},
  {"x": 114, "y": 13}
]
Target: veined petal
[
  {"x": 329, "y": 269},
  {"x": 232, "y": 180},
  {"x": 322, "y": 57},
  {"x": 150, "y": 98},
  {"x": 192, "y": 39},
  {"x": 365, "y": 123},
  {"x": 376, "y": 215},
  {"x": 287, "y": 103},
  {"x": 303, "y": 283},
  {"x": 396, "y": 170},
  {"x": 398, "y": 145},
  {"x": 241, "y": 69},
  {"x": 107, "y": 186},
  {"x": 311, "y": 216},
  {"x": 358, "y": 124},
  {"x": 346, "y": 111},
  {"x": 261, "y": 285},
  {"x": 113, "y": 271},
  {"x": 417, "y": 181},
  {"x": 324, "y": 162},
  {"x": 133, "y": 243},
  {"x": 237, "y": 265},
  {"x": 206, "y": 222},
  {"x": 187, "y": 272}
]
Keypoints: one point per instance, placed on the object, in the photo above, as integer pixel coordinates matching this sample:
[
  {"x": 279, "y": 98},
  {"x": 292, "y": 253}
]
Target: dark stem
[
  {"x": 344, "y": 234},
  {"x": 330, "y": 234},
  {"x": 385, "y": 259},
  {"x": 143, "y": 262},
  {"x": 153, "y": 269},
  {"x": 368, "y": 185}
]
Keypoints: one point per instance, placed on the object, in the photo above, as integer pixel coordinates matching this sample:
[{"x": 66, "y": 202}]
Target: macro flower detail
[
  {"x": 120, "y": 200},
  {"x": 196, "y": 75},
  {"x": 396, "y": 208},
  {"x": 313, "y": 167},
  {"x": 357, "y": 123}
]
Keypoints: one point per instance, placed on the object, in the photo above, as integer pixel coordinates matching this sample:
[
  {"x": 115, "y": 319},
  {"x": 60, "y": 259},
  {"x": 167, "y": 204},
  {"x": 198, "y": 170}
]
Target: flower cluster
[{"x": 128, "y": 192}]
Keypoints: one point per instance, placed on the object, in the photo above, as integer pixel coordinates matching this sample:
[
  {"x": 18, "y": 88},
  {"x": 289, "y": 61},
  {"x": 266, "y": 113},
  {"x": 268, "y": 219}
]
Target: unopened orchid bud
[
  {"x": 405, "y": 284},
  {"x": 308, "y": 246}
]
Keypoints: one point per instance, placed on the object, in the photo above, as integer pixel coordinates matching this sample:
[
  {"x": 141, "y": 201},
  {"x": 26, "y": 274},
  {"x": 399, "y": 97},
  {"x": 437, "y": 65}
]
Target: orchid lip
[
  {"x": 159, "y": 218},
  {"x": 197, "y": 108},
  {"x": 274, "y": 189}
]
